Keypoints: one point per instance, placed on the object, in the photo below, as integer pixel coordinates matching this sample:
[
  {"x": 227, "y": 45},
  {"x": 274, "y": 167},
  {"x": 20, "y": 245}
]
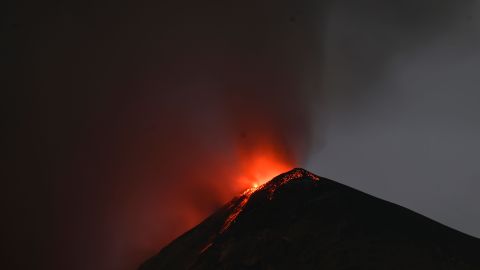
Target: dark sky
[{"x": 129, "y": 122}]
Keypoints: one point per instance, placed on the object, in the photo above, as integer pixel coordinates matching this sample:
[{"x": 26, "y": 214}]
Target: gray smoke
[{"x": 401, "y": 83}]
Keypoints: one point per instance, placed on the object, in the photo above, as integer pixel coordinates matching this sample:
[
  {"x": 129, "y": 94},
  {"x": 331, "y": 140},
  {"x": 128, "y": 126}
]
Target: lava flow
[
  {"x": 238, "y": 208},
  {"x": 259, "y": 170},
  {"x": 270, "y": 187},
  {"x": 238, "y": 204}
]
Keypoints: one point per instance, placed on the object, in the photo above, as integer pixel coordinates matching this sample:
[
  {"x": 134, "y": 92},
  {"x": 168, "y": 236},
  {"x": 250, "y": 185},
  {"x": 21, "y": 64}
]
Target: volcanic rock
[{"x": 301, "y": 221}]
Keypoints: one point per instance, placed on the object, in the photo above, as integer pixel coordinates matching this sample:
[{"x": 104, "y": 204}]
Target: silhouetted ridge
[{"x": 302, "y": 221}]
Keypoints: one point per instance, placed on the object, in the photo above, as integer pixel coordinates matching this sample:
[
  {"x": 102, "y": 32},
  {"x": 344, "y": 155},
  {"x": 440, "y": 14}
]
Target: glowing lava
[
  {"x": 237, "y": 209},
  {"x": 270, "y": 187},
  {"x": 257, "y": 170},
  {"x": 260, "y": 169},
  {"x": 238, "y": 204}
]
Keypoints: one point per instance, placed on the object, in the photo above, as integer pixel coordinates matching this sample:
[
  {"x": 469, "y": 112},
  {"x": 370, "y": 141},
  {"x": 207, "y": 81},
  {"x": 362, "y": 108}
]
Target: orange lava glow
[
  {"x": 237, "y": 209},
  {"x": 239, "y": 204},
  {"x": 260, "y": 169},
  {"x": 256, "y": 163},
  {"x": 257, "y": 168}
]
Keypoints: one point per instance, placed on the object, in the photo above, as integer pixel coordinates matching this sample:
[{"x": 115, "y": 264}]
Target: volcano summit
[{"x": 301, "y": 221}]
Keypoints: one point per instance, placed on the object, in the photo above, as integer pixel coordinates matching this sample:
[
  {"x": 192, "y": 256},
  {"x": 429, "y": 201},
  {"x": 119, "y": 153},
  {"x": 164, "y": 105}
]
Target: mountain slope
[{"x": 302, "y": 221}]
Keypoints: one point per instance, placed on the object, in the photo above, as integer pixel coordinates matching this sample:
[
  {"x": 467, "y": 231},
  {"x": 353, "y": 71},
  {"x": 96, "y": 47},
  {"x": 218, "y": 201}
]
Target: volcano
[{"x": 301, "y": 221}]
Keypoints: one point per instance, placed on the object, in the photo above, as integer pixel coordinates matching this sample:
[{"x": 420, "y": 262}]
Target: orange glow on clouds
[{"x": 259, "y": 168}]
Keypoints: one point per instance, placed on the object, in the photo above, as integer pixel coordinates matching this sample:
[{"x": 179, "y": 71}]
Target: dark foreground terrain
[{"x": 302, "y": 221}]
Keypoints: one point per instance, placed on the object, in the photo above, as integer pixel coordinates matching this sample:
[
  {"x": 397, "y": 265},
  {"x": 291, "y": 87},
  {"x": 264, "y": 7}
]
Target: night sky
[{"x": 130, "y": 122}]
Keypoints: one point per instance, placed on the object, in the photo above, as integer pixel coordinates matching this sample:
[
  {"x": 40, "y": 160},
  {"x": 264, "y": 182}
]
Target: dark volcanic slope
[{"x": 301, "y": 221}]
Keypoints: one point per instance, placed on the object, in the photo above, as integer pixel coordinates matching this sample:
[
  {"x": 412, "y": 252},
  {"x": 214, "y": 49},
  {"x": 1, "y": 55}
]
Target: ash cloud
[{"x": 400, "y": 84}]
